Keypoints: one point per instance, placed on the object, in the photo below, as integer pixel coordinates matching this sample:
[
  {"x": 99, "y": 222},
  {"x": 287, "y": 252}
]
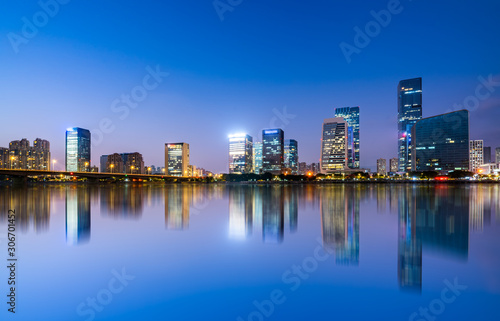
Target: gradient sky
[{"x": 233, "y": 75}]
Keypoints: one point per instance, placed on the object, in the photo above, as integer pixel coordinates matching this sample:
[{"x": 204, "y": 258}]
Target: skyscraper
[
  {"x": 273, "y": 148},
  {"x": 476, "y": 154},
  {"x": 382, "y": 166},
  {"x": 77, "y": 149},
  {"x": 409, "y": 112},
  {"x": 393, "y": 165},
  {"x": 257, "y": 157},
  {"x": 497, "y": 155},
  {"x": 23, "y": 156},
  {"x": 351, "y": 116},
  {"x": 177, "y": 159},
  {"x": 487, "y": 155},
  {"x": 444, "y": 150},
  {"x": 292, "y": 156},
  {"x": 240, "y": 154},
  {"x": 334, "y": 145}
]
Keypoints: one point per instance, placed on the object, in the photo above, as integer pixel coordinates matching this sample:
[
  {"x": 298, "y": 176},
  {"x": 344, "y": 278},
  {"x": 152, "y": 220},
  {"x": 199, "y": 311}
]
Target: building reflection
[
  {"x": 32, "y": 206},
  {"x": 273, "y": 214},
  {"x": 77, "y": 215},
  {"x": 177, "y": 202},
  {"x": 434, "y": 220},
  {"x": 122, "y": 201},
  {"x": 340, "y": 222},
  {"x": 291, "y": 206},
  {"x": 241, "y": 211}
]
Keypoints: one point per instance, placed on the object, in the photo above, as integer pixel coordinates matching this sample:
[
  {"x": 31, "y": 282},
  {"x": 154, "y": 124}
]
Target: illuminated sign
[{"x": 270, "y": 132}]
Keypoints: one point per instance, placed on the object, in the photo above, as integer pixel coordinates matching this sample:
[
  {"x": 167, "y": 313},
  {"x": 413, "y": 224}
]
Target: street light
[
  {"x": 149, "y": 170},
  {"x": 112, "y": 165},
  {"x": 86, "y": 166},
  {"x": 54, "y": 165},
  {"x": 11, "y": 159},
  {"x": 131, "y": 169}
]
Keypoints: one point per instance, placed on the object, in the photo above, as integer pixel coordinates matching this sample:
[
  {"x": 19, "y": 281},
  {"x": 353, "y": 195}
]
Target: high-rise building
[
  {"x": 133, "y": 163},
  {"x": 292, "y": 156},
  {"x": 409, "y": 112},
  {"x": 4, "y": 158},
  {"x": 23, "y": 156},
  {"x": 476, "y": 154},
  {"x": 446, "y": 149},
  {"x": 393, "y": 164},
  {"x": 102, "y": 163},
  {"x": 334, "y": 145},
  {"x": 497, "y": 155},
  {"x": 177, "y": 159},
  {"x": 382, "y": 166},
  {"x": 351, "y": 116},
  {"x": 487, "y": 155},
  {"x": 41, "y": 154},
  {"x": 77, "y": 149},
  {"x": 257, "y": 157},
  {"x": 273, "y": 148},
  {"x": 240, "y": 154}
]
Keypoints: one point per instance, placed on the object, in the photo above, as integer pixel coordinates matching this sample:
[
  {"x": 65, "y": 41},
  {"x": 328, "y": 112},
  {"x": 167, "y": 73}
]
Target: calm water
[{"x": 198, "y": 252}]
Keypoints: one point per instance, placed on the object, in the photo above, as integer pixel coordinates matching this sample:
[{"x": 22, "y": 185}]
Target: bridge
[{"x": 23, "y": 174}]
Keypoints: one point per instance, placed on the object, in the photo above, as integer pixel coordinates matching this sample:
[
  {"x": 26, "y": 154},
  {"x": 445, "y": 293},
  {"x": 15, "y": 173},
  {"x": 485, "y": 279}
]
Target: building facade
[
  {"x": 292, "y": 156},
  {"x": 20, "y": 155},
  {"x": 351, "y": 116},
  {"x": 441, "y": 143},
  {"x": 257, "y": 157},
  {"x": 177, "y": 159},
  {"x": 77, "y": 150},
  {"x": 487, "y": 155},
  {"x": 409, "y": 112},
  {"x": 240, "y": 154},
  {"x": 476, "y": 155},
  {"x": 382, "y": 166},
  {"x": 497, "y": 155},
  {"x": 334, "y": 145},
  {"x": 273, "y": 150},
  {"x": 4, "y": 158},
  {"x": 393, "y": 164}
]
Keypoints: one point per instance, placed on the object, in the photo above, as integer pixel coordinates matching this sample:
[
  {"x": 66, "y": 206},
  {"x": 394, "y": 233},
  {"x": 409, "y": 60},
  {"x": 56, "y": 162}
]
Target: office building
[
  {"x": 393, "y": 164},
  {"x": 334, "y": 145},
  {"x": 351, "y": 116},
  {"x": 409, "y": 112},
  {"x": 240, "y": 154},
  {"x": 177, "y": 159},
  {"x": 257, "y": 157},
  {"x": 292, "y": 156},
  {"x": 133, "y": 163},
  {"x": 487, "y": 155},
  {"x": 102, "y": 163},
  {"x": 4, "y": 158},
  {"x": 446, "y": 149},
  {"x": 273, "y": 149},
  {"x": 382, "y": 166},
  {"x": 23, "y": 156},
  {"x": 77, "y": 149},
  {"x": 476, "y": 154},
  {"x": 497, "y": 155}
]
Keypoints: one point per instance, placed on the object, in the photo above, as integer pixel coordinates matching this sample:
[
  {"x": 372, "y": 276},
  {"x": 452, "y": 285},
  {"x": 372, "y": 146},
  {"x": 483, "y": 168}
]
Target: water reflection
[
  {"x": 32, "y": 207},
  {"x": 77, "y": 215},
  {"x": 340, "y": 222},
  {"x": 122, "y": 201},
  {"x": 241, "y": 211},
  {"x": 273, "y": 214},
  {"x": 177, "y": 203}
]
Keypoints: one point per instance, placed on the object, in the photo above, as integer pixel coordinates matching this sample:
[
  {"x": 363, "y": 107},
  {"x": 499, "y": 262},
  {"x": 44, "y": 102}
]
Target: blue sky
[{"x": 263, "y": 60}]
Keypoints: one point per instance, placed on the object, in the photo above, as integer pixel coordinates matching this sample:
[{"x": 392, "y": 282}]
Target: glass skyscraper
[
  {"x": 334, "y": 145},
  {"x": 240, "y": 154},
  {"x": 273, "y": 148},
  {"x": 351, "y": 116},
  {"x": 292, "y": 156},
  {"x": 177, "y": 159},
  {"x": 77, "y": 150},
  {"x": 441, "y": 143},
  {"x": 409, "y": 112},
  {"x": 257, "y": 157}
]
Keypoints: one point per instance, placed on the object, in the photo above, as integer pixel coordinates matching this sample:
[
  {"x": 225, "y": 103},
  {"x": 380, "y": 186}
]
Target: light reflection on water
[{"x": 434, "y": 220}]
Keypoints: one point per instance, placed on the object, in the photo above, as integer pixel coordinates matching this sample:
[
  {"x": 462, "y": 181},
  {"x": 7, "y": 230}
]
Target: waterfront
[{"x": 223, "y": 252}]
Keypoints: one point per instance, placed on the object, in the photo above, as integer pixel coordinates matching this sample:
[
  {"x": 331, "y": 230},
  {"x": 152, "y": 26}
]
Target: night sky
[{"x": 264, "y": 60}]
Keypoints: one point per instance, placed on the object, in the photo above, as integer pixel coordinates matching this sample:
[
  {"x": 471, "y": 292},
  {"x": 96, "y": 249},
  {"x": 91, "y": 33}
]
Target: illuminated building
[
  {"x": 446, "y": 149},
  {"x": 77, "y": 150},
  {"x": 257, "y": 157},
  {"x": 476, "y": 154},
  {"x": 273, "y": 149},
  {"x": 334, "y": 145},
  {"x": 292, "y": 156},
  {"x": 240, "y": 154},
  {"x": 393, "y": 164},
  {"x": 351, "y": 116},
  {"x": 23, "y": 156},
  {"x": 487, "y": 155},
  {"x": 409, "y": 112},
  {"x": 4, "y": 158},
  {"x": 177, "y": 159},
  {"x": 382, "y": 166}
]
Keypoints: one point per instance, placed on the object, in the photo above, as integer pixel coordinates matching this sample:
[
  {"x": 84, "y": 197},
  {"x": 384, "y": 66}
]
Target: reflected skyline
[{"x": 77, "y": 215}]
